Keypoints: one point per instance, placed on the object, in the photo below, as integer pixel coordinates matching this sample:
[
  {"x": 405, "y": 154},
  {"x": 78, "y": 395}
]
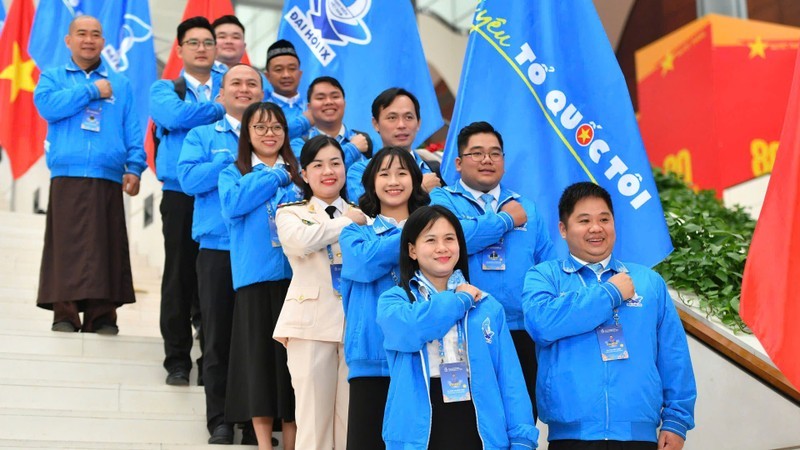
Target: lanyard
[
  {"x": 460, "y": 330},
  {"x": 330, "y": 254}
]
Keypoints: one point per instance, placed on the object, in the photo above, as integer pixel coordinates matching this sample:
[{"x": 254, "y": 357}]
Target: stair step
[{"x": 101, "y": 397}]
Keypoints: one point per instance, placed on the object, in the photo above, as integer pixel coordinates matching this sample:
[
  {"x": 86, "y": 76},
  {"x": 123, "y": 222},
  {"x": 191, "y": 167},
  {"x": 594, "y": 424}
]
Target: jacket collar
[
  {"x": 222, "y": 125},
  {"x": 425, "y": 287},
  {"x": 380, "y": 225},
  {"x": 101, "y": 70},
  {"x": 570, "y": 265},
  {"x": 505, "y": 194}
]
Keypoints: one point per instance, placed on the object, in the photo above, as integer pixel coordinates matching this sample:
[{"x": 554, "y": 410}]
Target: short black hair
[
  {"x": 193, "y": 22},
  {"x": 369, "y": 202},
  {"x": 324, "y": 79},
  {"x": 230, "y": 18},
  {"x": 473, "y": 129},
  {"x": 385, "y": 98},
  {"x": 310, "y": 150},
  {"x": 577, "y": 192}
]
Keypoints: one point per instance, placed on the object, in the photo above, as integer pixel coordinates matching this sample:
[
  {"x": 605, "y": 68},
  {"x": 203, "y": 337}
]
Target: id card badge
[
  {"x": 273, "y": 231},
  {"x": 91, "y": 120},
  {"x": 455, "y": 382},
  {"x": 494, "y": 257},
  {"x": 336, "y": 278},
  {"x": 612, "y": 343}
]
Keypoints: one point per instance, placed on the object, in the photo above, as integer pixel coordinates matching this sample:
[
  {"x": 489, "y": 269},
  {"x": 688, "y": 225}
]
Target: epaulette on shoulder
[{"x": 301, "y": 202}]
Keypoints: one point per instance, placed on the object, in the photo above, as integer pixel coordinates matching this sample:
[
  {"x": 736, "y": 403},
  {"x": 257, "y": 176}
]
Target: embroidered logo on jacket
[
  {"x": 488, "y": 334},
  {"x": 635, "y": 301}
]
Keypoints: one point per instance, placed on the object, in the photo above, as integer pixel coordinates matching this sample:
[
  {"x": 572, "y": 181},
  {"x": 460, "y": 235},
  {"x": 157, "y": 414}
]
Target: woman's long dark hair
[
  {"x": 369, "y": 203},
  {"x": 418, "y": 222},
  {"x": 264, "y": 112},
  {"x": 310, "y": 150}
]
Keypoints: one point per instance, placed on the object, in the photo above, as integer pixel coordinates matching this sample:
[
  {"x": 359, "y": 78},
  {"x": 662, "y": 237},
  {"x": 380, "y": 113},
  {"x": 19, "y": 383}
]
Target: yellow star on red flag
[
  {"x": 668, "y": 64},
  {"x": 20, "y": 73},
  {"x": 757, "y": 48}
]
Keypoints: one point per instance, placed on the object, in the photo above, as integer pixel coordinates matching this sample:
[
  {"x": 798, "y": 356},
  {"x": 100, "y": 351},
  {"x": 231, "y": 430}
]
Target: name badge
[
  {"x": 494, "y": 257},
  {"x": 273, "y": 232},
  {"x": 336, "y": 278},
  {"x": 612, "y": 343},
  {"x": 91, "y": 120},
  {"x": 455, "y": 382}
]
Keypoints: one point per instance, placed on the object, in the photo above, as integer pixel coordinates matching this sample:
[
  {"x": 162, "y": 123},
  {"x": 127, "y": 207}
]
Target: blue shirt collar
[
  {"x": 425, "y": 287},
  {"x": 571, "y": 265}
]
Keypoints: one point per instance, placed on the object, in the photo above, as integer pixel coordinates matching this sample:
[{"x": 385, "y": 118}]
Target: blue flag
[
  {"x": 2, "y": 16},
  {"x": 126, "y": 26},
  {"x": 544, "y": 75},
  {"x": 368, "y": 46}
]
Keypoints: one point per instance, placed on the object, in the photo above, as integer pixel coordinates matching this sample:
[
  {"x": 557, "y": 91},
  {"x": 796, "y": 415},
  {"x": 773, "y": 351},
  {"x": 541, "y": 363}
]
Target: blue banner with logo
[
  {"x": 129, "y": 47},
  {"x": 544, "y": 74},
  {"x": 368, "y": 46}
]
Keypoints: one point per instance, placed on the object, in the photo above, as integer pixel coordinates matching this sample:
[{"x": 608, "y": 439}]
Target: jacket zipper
[
  {"x": 428, "y": 389},
  {"x": 469, "y": 371}
]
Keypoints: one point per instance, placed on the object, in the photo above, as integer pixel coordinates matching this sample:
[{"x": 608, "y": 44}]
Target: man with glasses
[
  {"x": 505, "y": 235},
  {"x": 206, "y": 151},
  {"x": 175, "y": 116}
]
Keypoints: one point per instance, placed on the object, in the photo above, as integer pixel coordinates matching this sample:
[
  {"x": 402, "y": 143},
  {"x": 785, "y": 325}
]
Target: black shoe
[
  {"x": 222, "y": 434},
  {"x": 107, "y": 330},
  {"x": 64, "y": 326},
  {"x": 249, "y": 436},
  {"x": 178, "y": 377}
]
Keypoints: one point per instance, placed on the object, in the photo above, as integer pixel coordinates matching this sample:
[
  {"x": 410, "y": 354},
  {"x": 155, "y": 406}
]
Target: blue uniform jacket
[
  {"x": 581, "y": 397},
  {"x": 502, "y": 405},
  {"x": 298, "y": 124},
  {"x": 355, "y": 172},
  {"x": 206, "y": 151},
  {"x": 370, "y": 255},
  {"x": 63, "y": 97},
  {"x": 351, "y": 152},
  {"x": 247, "y": 204},
  {"x": 178, "y": 117},
  {"x": 524, "y": 246}
]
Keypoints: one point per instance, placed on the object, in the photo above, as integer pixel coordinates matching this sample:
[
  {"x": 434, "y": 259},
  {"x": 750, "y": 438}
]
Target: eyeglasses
[
  {"x": 261, "y": 129},
  {"x": 194, "y": 44},
  {"x": 479, "y": 156}
]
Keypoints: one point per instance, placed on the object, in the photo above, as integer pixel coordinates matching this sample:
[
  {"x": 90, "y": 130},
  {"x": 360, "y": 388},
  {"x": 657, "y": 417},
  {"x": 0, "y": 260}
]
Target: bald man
[{"x": 94, "y": 153}]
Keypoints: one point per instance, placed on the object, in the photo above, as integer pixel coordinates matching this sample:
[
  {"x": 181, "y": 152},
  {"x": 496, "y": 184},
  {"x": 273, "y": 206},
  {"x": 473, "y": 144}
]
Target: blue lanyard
[
  {"x": 330, "y": 254},
  {"x": 460, "y": 330}
]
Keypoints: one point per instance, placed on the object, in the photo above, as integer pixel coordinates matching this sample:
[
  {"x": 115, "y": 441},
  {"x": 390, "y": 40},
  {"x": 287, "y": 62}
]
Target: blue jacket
[
  {"x": 247, "y": 203},
  {"x": 355, "y": 172},
  {"x": 581, "y": 397},
  {"x": 502, "y": 405},
  {"x": 178, "y": 117},
  {"x": 351, "y": 152},
  {"x": 524, "y": 246},
  {"x": 298, "y": 124},
  {"x": 370, "y": 255},
  {"x": 63, "y": 96},
  {"x": 206, "y": 151}
]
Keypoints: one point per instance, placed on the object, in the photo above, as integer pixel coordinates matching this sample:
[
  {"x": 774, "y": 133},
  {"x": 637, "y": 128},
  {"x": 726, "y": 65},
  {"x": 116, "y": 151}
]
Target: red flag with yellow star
[
  {"x": 712, "y": 96},
  {"x": 22, "y": 131}
]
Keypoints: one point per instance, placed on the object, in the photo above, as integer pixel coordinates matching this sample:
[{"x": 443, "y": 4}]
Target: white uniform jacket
[{"x": 312, "y": 309}]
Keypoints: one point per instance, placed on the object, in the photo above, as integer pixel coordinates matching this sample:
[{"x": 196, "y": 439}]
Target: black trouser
[
  {"x": 453, "y": 425},
  {"x": 179, "y": 283},
  {"x": 571, "y": 444},
  {"x": 526, "y": 352},
  {"x": 215, "y": 286},
  {"x": 365, "y": 413}
]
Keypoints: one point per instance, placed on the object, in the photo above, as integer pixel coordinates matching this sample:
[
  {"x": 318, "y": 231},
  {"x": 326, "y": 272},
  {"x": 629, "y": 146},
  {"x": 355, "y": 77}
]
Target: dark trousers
[
  {"x": 526, "y": 352},
  {"x": 453, "y": 425},
  {"x": 215, "y": 288},
  {"x": 179, "y": 283},
  {"x": 365, "y": 413},
  {"x": 96, "y": 314},
  {"x": 572, "y": 444}
]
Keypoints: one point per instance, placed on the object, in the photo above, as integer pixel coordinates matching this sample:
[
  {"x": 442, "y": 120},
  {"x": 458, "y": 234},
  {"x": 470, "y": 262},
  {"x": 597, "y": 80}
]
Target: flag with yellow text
[{"x": 545, "y": 76}]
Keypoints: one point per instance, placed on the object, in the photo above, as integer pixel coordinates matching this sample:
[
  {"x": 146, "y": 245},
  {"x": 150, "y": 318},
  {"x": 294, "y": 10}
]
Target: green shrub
[{"x": 711, "y": 243}]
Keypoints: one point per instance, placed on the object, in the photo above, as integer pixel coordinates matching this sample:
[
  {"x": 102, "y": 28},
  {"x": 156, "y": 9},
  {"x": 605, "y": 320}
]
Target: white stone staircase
[{"x": 85, "y": 391}]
